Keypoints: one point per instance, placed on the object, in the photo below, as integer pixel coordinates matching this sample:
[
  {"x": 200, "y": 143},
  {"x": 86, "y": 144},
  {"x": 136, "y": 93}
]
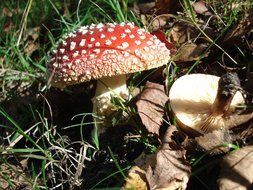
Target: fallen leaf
[
  {"x": 244, "y": 26},
  {"x": 236, "y": 170},
  {"x": 237, "y": 119},
  {"x": 145, "y": 160},
  {"x": 160, "y": 22},
  {"x": 136, "y": 179},
  {"x": 201, "y": 8},
  {"x": 167, "y": 169},
  {"x": 143, "y": 8},
  {"x": 31, "y": 36},
  {"x": 167, "y": 6},
  {"x": 213, "y": 142},
  {"x": 191, "y": 52},
  {"x": 8, "y": 14},
  {"x": 183, "y": 32},
  {"x": 150, "y": 106},
  {"x": 210, "y": 142},
  {"x": 15, "y": 174},
  {"x": 30, "y": 48},
  {"x": 243, "y": 133},
  {"x": 162, "y": 37},
  {"x": 184, "y": 35},
  {"x": 171, "y": 170}
]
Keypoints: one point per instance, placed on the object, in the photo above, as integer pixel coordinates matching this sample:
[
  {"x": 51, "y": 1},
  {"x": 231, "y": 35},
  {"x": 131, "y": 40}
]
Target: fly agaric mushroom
[
  {"x": 202, "y": 103},
  {"x": 106, "y": 52}
]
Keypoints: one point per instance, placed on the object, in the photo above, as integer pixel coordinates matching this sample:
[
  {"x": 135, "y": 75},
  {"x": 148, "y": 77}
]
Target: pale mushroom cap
[
  {"x": 191, "y": 99},
  {"x": 96, "y": 51}
]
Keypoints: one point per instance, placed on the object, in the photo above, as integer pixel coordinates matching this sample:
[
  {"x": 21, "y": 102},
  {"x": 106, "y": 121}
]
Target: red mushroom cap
[{"x": 102, "y": 50}]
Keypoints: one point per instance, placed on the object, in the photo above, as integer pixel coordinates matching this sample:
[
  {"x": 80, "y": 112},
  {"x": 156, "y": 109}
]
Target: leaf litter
[
  {"x": 236, "y": 170},
  {"x": 171, "y": 170},
  {"x": 167, "y": 169},
  {"x": 150, "y": 106}
]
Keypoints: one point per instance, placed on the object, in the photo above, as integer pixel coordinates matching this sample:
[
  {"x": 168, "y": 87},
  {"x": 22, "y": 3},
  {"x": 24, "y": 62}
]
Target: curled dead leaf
[
  {"x": 19, "y": 179},
  {"x": 243, "y": 133},
  {"x": 171, "y": 170},
  {"x": 150, "y": 106},
  {"x": 167, "y": 169},
  {"x": 244, "y": 26},
  {"x": 167, "y": 6},
  {"x": 143, "y": 8},
  {"x": 31, "y": 36},
  {"x": 211, "y": 142},
  {"x": 236, "y": 170},
  {"x": 216, "y": 142},
  {"x": 136, "y": 179},
  {"x": 144, "y": 161},
  {"x": 182, "y": 32},
  {"x": 159, "y": 22},
  {"x": 201, "y": 8},
  {"x": 162, "y": 36},
  {"x": 191, "y": 52},
  {"x": 237, "y": 119},
  {"x": 8, "y": 24}
]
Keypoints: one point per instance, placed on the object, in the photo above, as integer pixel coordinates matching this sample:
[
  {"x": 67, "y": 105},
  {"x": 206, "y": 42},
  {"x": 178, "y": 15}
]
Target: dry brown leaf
[
  {"x": 162, "y": 37},
  {"x": 136, "y": 179},
  {"x": 150, "y": 106},
  {"x": 16, "y": 175},
  {"x": 201, "y": 8},
  {"x": 31, "y": 37},
  {"x": 183, "y": 32},
  {"x": 8, "y": 24},
  {"x": 167, "y": 170},
  {"x": 171, "y": 171},
  {"x": 237, "y": 119},
  {"x": 143, "y": 8},
  {"x": 144, "y": 161},
  {"x": 243, "y": 133},
  {"x": 237, "y": 170},
  {"x": 210, "y": 142},
  {"x": 213, "y": 141},
  {"x": 159, "y": 22},
  {"x": 191, "y": 52},
  {"x": 167, "y": 6},
  {"x": 244, "y": 26},
  {"x": 30, "y": 48}
]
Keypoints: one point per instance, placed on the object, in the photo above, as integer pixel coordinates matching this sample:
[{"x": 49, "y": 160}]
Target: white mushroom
[{"x": 202, "y": 103}]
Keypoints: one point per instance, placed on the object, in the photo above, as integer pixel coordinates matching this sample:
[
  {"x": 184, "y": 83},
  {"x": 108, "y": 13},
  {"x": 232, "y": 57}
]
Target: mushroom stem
[
  {"x": 106, "y": 88},
  {"x": 229, "y": 84}
]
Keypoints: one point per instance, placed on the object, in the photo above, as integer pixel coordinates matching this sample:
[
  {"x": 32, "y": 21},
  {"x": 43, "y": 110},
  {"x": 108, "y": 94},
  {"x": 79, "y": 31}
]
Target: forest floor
[{"x": 47, "y": 136}]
